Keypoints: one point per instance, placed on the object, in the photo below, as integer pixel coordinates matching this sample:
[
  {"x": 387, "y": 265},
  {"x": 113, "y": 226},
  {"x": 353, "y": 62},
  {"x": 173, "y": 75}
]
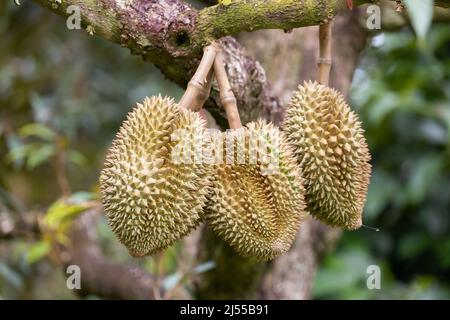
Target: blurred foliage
[
  {"x": 63, "y": 95},
  {"x": 402, "y": 93}
]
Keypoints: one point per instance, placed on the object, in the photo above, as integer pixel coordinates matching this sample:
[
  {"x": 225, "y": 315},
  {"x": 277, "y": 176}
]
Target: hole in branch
[{"x": 182, "y": 39}]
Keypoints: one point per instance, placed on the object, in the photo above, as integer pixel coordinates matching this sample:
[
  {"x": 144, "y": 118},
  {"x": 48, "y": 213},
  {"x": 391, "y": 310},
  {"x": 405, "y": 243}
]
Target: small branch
[
  {"x": 324, "y": 65},
  {"x": 60, "y": 167}
]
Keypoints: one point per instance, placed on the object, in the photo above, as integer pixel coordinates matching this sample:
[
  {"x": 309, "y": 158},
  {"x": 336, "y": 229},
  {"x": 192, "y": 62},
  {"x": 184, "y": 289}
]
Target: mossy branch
[{"x": 250, "y": 15}]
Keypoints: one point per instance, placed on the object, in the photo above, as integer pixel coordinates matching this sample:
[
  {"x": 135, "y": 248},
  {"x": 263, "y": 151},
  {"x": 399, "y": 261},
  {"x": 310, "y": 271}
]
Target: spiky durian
[
  {"x": 331, "y": 149},
  {"x": 257, "y": 200},
  {"x": 151, "y": 200}
]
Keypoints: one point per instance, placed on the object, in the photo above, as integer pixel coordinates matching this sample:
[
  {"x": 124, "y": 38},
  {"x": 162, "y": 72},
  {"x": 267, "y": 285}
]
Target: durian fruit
[
  {"x": 331, "y": 149},
  {"x": 256, "y": 206},
  {"x": 150, "y": 200}
]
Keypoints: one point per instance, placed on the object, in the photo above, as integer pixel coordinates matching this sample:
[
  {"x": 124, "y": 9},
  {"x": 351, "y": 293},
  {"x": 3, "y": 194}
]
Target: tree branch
[
  {"x": 162, "y": 33},
  {"x": 171, "y": 34}
]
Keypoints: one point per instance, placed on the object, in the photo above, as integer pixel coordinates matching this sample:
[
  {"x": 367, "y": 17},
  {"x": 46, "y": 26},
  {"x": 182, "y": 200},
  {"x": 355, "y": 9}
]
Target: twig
[{"x": 60, "y": 167}]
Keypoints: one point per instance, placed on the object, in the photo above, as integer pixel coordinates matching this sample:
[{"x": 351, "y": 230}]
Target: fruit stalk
[
  {"x": 227, "y": 97},
  {"x": 199, "y": 86},
  {"x": 324, "y": 64}
]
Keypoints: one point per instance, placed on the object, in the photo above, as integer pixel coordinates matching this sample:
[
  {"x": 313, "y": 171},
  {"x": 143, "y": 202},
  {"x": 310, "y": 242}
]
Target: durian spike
[
  {"x": 227, "y": 97},
  {"x": 199, "y": 86},
  {"x": 324, "y": 64}
]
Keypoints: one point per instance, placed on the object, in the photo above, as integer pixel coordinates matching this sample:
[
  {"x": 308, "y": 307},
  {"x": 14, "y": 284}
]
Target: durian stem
[
  {"x": 227, "y": 97},
  {"x": 324, "y": 64},
  {"x": 199, "y": 87}
]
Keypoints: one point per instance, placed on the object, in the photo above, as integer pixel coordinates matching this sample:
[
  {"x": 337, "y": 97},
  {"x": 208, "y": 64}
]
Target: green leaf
[
  {"x": 76, "y": 157},
  {"x": 61, "y": 212},
  {"x": 383, "y": 107},
  {"x": 83, "y": 196},
  {"x": 39, "y": 155},
  {"x": 38, "y": 130},
  {"x": 423, "y": 175},
  {"x": 38, "y": 251},
  {"x": 337, "y": 276},
  {"x": 411, "y": 245},
  {"x": 421, "y": 15},
  {"x": 382, "y": 190},
  {"x": 19, "y": 152}
]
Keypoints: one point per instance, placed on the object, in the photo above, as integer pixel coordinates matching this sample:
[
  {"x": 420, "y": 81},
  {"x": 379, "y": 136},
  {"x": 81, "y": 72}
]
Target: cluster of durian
[{"x": 322, "y": 168}]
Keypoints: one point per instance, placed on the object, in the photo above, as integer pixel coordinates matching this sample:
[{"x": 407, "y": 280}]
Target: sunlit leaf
[
  {"x": 19, "y": 152},
  {"x": 37, "y": 130},
  {"x": 39, "y": 155},
  {"x": 38, "y": 251},
  {"x": 382, "y": 107},
  {"x": 76, "y": 157},
  {"x": 61, "y": 212},
  {"x": 174, "y": 279},
  {"x": 83, "y": 196}
]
